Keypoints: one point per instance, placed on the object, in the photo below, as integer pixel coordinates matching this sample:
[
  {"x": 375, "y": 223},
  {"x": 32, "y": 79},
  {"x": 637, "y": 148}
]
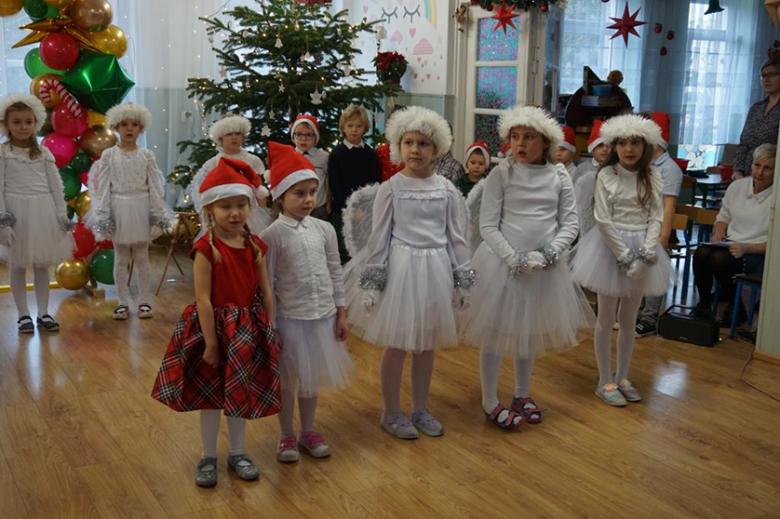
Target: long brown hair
[
  {"x": 32, "y": 143},
  {"x": 644, "y": 186}
]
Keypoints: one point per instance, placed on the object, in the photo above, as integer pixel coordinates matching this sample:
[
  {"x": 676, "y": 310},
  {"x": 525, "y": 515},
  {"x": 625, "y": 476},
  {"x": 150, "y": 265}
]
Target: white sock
[
  {"x": 143, "y": 268},
  {"x": 209, "y": 430},
  {"x": 17, "y": 278},
  {"x": 307, "y": 408},
  {"x": 122, "y": 257},
  {"x": 602, "y": 336},
  {"x": 41, "y": 282},
  {"x": 629, "y": 308},
  {"x": 523, "y": 370},
  {"x": 489, "y": 369},
  {"x": 286, "y": 414},
  {"x": 390, "y": 372},
  {"x": 422, "y": 373},
  {"x": 237, "y": 433}
]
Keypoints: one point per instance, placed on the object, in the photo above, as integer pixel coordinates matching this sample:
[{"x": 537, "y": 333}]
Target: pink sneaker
[
  {"x": 313, "y": 443},
  {"x": 287, "y": 450}
]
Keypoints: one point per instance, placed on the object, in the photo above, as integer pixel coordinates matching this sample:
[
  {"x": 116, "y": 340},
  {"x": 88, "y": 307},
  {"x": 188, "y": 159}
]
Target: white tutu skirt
[
  {"x": 130, "y": 214},
  {"x": 596, "y": 268},
  {"x": 39, "y": 241},
  {"x": 540, "y": 312},
  {"x": 414, "y": 312},
  {"x": 312, "y": 360}
]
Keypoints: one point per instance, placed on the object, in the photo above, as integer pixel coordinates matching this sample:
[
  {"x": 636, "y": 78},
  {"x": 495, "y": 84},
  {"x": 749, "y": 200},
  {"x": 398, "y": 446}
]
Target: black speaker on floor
[{"x": 681, "y": 323}]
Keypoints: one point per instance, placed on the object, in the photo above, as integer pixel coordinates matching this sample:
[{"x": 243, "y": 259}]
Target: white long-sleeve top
[
  {"x": 253, "y": 160},
  {"x": 319, "y": 159},
  {"x": 525, "y": 207},
  {"x": 584, "y": 167},
  {"x": 304, "y": 267},
  {"x": 120, "y": 172},
  {"x": 427, "y": 213},
  {"x": 746, "y": 213},
  {"x": 20, "y": 175},
  {"x": 617, "y": 207}
]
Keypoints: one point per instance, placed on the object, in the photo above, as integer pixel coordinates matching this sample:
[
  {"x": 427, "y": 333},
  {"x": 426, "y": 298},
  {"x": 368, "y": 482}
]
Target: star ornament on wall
[
  {"x": 504, "y": 17},
  {"x": 626, "y": 25}
]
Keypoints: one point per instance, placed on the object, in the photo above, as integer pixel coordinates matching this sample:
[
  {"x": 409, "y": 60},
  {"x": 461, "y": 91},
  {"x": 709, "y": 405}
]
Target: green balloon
[
  {"x": 35, "y": 67},
  {"x": 102, "y": 266},
  {"x": 71, "y": 183},
  {"x": 71, "y": 212},
  {"x": 39, "y": 10},
  {"x": 98, "y": 81},
  {"x": 46, "y": 129},
  {"x": 80, "y": 163}
]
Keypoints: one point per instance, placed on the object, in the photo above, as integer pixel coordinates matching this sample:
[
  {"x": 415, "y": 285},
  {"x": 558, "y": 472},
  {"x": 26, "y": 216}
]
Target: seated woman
[{"x": 742, "y": 227}]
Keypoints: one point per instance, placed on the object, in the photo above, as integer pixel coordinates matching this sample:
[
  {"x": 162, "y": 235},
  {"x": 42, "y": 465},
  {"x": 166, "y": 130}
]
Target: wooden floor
[{"x": 80, "y": 437}]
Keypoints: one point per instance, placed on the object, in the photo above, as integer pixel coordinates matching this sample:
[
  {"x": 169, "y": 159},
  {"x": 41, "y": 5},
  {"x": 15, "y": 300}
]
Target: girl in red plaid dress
[{"x": 223, "y": 354}]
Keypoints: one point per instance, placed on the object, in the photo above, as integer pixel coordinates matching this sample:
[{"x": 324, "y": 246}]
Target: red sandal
[
  {"x": 518, "y": 406},
  {"x": 508, "y": 424}
]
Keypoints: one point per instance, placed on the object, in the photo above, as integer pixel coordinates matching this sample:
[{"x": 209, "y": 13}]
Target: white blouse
[
  {"x": 745, "y": 213},
  {"x": 22, "y": 176},
  {"x": 319, "y": 159},
  {"x": 617, "y": 207},
  {"x": 427, "y": 213},
  {"x": 525, "y": 207},
  {"x": 120, "y": 172},
  {"x": 304, "y": 267}
]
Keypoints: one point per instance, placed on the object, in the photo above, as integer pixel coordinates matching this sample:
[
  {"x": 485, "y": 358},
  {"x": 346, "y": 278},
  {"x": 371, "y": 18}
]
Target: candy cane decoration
[{"x": 45, "y": 92}]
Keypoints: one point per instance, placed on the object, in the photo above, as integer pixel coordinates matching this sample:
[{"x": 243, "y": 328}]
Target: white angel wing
[
  {"x": 473, "y": 205},
  {"x": 358, "y": 218}
]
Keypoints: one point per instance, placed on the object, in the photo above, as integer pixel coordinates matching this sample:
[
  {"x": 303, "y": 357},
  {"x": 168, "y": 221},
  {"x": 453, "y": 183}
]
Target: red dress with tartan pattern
[{"x": 245, "y": 384}]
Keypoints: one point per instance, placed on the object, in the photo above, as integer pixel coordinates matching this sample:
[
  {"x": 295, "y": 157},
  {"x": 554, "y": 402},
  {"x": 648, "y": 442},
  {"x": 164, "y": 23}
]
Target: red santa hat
[
  {"x": 663, "y": 122},
  {"x": 231, "y": 177},
  {"x": 595, "y": 135},
  {"x": 311, "y": 121},
  {"x": 286, "y": 168},
  {"x": 479, "y": 146},
  {"x": 505, "y": 147},
  {"x": 568, "y": 139}
]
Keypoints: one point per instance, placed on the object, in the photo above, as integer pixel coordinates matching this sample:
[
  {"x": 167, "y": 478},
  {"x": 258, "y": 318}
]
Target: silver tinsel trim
[
  {"x": 66, "y": 225},
  {"x": 465, "y": 278},
  {"x": 158, "y": 221},
  {"x": 105, "y": 226},
  {"x": 521, "y": 262},
  {"x": 7, "y": 220},
  {"x": 373, "y": 278},
  {"x": 551, "y": 256},
  {"x": 637, "y": 253}
]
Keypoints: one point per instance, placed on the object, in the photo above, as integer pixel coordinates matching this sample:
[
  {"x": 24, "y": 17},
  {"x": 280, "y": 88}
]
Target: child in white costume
[
  {"x": 127, "y": 190},
  {"x": 33, "y": 216},
  {"x": 620, "y": 259},
  {"x": 228, "y": 134},
  {"x": 525, "y": 302},
  {"x": 402, "y": 292},
  {"x": 304, "y": 268}
]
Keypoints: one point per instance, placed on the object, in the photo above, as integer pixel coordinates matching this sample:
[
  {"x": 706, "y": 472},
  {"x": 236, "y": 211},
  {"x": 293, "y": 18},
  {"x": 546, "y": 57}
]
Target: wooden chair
[
  {"x": 688, "y": 190},
  {"x": 681, "y": 252},
  {"x": 706, "y": 220}
]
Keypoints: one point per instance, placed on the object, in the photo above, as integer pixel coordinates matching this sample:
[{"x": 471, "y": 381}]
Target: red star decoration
[
  {"x": 504, "y": 17},
  {"x": 625, "y": 25}
]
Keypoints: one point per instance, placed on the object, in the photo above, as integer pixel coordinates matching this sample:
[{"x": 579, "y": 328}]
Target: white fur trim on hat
[
  {"x": 311, "y": 125},
  {"x": 418, "y": 119},
  {"x": 624, "y": 126},
  {"x": 229, "y": 124},
  {"x": 38, "y": 110},
  {"x": 225, "y": 191},
  {"x": 133, "y": 111},
  {"x": 484, "y": 151},
  {"x": 531, "y": 117},
  {"x": 596, "y": 142},
  {"x": 568, "y": 146},
  {"x": 292, "y": 179}
]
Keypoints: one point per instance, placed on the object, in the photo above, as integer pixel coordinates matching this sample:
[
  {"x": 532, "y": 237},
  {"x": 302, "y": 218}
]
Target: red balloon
[
  {"x": 63, "y": 148},
  {"x": 59, "y": 51},
  {"x": 84, "y": 177},
  {"x": 106, "y": 244},
  {"x": 85, "y": 241},
  {"x": 63, "y": 121}
]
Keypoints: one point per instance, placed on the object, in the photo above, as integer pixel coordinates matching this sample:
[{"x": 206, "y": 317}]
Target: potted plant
[{"x": 390, "y": 67}]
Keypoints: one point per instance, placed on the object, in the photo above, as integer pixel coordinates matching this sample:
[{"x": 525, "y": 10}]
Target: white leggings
[
  {"x": 392, "y": 368},
  {"x": 626, "y": 310},
  {"x": 489, "y": 369},
  {"x": 139, "y": 253},
  {"x": 18, "y": 282},
  {"x": 209, "y": 430}
]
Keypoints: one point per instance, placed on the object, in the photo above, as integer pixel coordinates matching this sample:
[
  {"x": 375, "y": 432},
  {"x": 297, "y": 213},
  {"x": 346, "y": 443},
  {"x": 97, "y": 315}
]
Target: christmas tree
[{"x": 279, "y": 60}]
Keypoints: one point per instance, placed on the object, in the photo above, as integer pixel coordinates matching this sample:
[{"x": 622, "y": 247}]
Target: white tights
[
  {"x": 139, "y": 253},
  {"x": 626, "y": 309},
  {"x": 489, "y": 369},
  {"x": 209, "y": 430},
  {"x": 307, "y": 408},
  {"x": 18, "y": 281},
  {"x": 391, "y": 371}
]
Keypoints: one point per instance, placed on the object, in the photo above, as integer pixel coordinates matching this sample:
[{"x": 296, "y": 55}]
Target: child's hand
[
  {"x": 7, "y": 236},
  {"x": 211, "y": 356},
  {"x": 341, "y": 328}
]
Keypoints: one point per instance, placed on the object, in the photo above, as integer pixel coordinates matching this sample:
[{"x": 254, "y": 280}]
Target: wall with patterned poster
[{"x": 418, "y": 29}]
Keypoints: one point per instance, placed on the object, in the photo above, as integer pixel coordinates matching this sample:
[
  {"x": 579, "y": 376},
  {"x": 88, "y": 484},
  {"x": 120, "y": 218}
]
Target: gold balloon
[
  {"x": 58, "y": 3},
  {"x": 35, "y": 89},
  {"x": 72, "y": 274},
  {"x": 96, "y": 118},
  {"x": 97, "y": 139},
  {"x": 71, "y": 202},
  {"x": 9, "y": 7},
  {"x": 90, "y": 15},
  {"x": 110, "y": 41},
  {"x": 83, "y": 203}
]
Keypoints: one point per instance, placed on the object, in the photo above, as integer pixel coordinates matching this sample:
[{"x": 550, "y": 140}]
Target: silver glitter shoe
[
  {"x": 206, "y": 478},
  {"x": 425, "y": 421},
  {"x": 246, "y": 471},
  {"x": 399, "y": 426}
]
